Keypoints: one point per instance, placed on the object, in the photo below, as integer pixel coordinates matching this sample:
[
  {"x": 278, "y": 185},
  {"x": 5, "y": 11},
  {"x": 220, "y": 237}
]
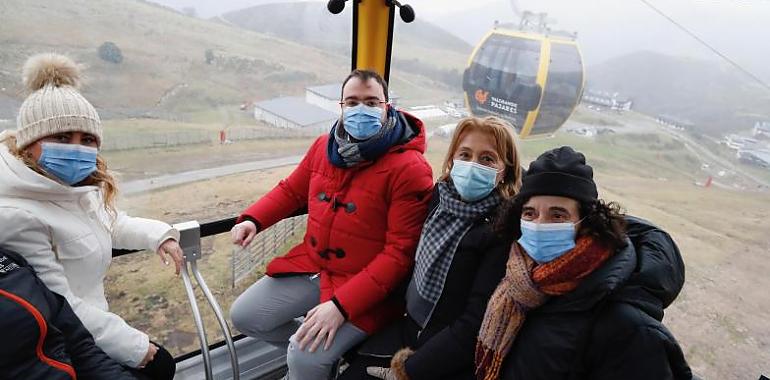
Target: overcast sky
[{"x": 607, "y": 28}]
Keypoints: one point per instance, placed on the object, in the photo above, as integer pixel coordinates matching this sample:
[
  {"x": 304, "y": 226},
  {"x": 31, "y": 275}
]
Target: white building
[
  {"x": 446, "y": 130},
  {"x": 295, "y": 113},
  {"x": 741, "y": 142},
  {"x": 758, "y": 157},
  {"x": 427, "y": 112},
  {"x": 607, "y": 100},
  {"x": 316, "y": 112},
  {"x": 762, "y": 129},
  {"x": 675, "y": 122},
  {"x": 328, "y": 97}
]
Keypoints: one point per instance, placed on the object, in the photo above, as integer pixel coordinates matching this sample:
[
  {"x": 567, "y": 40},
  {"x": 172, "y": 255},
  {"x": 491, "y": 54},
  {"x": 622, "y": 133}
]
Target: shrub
[{"x": 110, "y": 52}]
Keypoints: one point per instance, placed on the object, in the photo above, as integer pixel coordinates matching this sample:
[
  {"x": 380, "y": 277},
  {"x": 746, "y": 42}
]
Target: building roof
[
  {"x": 759, "y": 154},
  {"x": 328, "y": 91},
  {"x": 296, "y": 110},
  {"x": 427, "y": 112},
  {"x": 334, "y": 91},
  {"x": 675, "y": 120}
]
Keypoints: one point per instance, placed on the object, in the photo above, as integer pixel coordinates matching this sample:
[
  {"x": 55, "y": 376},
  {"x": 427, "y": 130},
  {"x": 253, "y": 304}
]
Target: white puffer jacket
[{"x": 67, "y": 236}]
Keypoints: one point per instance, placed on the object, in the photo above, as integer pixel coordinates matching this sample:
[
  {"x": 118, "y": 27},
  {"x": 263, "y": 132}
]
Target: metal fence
[
  {"x": 265, "y": 246},
  {"x": 191, "y": 137},
  {"x": 157, "y": 140}
]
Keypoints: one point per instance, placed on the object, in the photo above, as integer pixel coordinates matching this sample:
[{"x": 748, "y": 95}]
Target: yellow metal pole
[
  {"x": 542, "y": 80},
  {"x": 373, "y": 35}
]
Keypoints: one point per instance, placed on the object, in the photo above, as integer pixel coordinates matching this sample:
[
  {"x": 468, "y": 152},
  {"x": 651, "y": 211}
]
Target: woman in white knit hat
[{"x": 57, "y": 208}]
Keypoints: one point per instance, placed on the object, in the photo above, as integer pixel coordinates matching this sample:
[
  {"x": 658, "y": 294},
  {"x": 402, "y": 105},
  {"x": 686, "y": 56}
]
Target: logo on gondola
[{"x": 481, "y": 96}]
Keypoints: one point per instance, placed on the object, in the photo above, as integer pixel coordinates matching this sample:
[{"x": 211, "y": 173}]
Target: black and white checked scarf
[{"x": 441, "y": 235}]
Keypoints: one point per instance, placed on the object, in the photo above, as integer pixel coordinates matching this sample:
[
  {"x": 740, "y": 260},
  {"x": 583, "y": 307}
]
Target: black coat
[
  {"x": 446, "y": 345},
  {"x": 609, "y": 327},
  {"x": 34, "y": 316}
]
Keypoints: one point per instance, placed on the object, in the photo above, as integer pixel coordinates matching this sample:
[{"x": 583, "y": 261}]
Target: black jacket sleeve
[
  {"x": 452, "y": 349},
  {"x": 660, "y": 270},
  {"x": 629, "y": 344},
  {"x": 89, "y": 361}
]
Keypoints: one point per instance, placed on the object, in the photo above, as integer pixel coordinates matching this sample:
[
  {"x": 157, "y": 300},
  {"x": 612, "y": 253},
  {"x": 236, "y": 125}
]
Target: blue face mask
[
  {"x": 362, "y": 122},
  {"x": 548, "y": 241},
  {"x": 70, "y": 163},
  {"x": 473, "y": 181}
]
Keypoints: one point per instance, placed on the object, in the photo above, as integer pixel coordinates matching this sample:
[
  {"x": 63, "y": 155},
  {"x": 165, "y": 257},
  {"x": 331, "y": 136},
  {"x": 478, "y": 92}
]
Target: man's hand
[
  {"x": 322, "y": 322},
  {"x": 243, "y": 233}
]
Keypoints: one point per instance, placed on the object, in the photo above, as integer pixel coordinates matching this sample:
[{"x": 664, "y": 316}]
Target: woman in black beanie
[{"x": 585, "y": 286}]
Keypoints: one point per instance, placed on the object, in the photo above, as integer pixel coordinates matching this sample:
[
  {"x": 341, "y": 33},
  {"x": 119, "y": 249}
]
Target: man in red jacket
[{"x": 366, "y": 186}]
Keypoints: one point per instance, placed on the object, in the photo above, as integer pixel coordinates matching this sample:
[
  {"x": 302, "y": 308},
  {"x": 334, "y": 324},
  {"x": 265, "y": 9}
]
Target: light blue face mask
[
  {"x": 473, "y": 181},
  {"x": 70, "y": 163},
  {"x": 548, "y": 241},
  {"x": 362, "y": 122}
]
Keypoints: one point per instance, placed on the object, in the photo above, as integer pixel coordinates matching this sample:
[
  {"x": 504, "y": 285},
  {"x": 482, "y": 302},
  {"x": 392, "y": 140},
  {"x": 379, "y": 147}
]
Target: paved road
[{"x": 143, "y": 185}]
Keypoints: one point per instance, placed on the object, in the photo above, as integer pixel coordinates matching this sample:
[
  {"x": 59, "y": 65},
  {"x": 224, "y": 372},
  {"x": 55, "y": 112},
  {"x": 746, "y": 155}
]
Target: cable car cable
[{"x": 706, "y": 44}]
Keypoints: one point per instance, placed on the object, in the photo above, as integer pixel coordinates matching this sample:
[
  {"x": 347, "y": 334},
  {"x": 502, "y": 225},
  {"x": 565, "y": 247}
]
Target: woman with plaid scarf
[
  {"x": 582, "y": 296},
  {"x": 458, "y": 264}
]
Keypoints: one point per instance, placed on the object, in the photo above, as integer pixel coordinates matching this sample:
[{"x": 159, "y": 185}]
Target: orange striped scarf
[{"x": 525, "y": 286}]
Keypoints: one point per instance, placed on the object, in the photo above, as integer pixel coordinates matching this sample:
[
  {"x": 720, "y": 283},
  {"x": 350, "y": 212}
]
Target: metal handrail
[
  {"x": 220, "y": 318},
  {"x": 199, "y": 326},
  {"x": 190, "y": 241},
  {"x": 212, "y": 228}
]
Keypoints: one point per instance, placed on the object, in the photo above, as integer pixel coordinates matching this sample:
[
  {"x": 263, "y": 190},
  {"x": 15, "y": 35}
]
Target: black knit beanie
[{"x": 560, "y": 172}]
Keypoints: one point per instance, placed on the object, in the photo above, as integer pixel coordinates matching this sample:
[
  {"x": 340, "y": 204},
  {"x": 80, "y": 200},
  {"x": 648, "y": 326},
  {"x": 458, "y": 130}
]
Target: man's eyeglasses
[{"x": 350, "y": 103}]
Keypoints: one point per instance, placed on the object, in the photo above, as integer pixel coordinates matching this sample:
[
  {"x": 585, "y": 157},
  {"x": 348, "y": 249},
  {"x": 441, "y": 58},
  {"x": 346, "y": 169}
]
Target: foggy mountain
[
  {"x": 709, "y": 93},
  {"x": 209, "y": 9},
  {"x": 611, "y": 28},
  {"x": 715, "y": 97},
  {"x": 313, "y": 24},
  {"x": 606, "y": 28},
  {"x": 420, "y": 47}
]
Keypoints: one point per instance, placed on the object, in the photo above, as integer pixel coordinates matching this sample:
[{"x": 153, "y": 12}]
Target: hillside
[
  {"x": 714, "y": 97},
  {"x": 165, "y": 72},
  {"x": 419, "y": 47}
]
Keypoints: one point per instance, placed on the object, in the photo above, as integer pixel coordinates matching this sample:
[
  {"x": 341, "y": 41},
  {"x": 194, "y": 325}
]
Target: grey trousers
[{"x": 269, "y": 309}]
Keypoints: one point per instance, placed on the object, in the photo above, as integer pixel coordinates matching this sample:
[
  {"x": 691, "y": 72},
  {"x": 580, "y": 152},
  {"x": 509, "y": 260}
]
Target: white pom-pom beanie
[{"x": 55, "y": 105}]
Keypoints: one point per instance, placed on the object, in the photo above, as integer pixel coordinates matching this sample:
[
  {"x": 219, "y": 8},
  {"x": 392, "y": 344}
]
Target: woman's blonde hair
[
  {"x": 505, "y": 145},
  {"x": 100, "y": 178}
]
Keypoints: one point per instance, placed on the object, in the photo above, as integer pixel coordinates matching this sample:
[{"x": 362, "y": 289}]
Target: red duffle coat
[{"x": 363, "y": 225}]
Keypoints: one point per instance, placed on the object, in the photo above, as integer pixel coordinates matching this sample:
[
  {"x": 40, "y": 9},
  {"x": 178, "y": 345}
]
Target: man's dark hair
[{"x": 364, "y": 76}]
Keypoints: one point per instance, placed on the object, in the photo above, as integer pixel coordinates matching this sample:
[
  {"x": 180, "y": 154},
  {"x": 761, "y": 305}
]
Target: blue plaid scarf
[{"x": 344, "y": 153}]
